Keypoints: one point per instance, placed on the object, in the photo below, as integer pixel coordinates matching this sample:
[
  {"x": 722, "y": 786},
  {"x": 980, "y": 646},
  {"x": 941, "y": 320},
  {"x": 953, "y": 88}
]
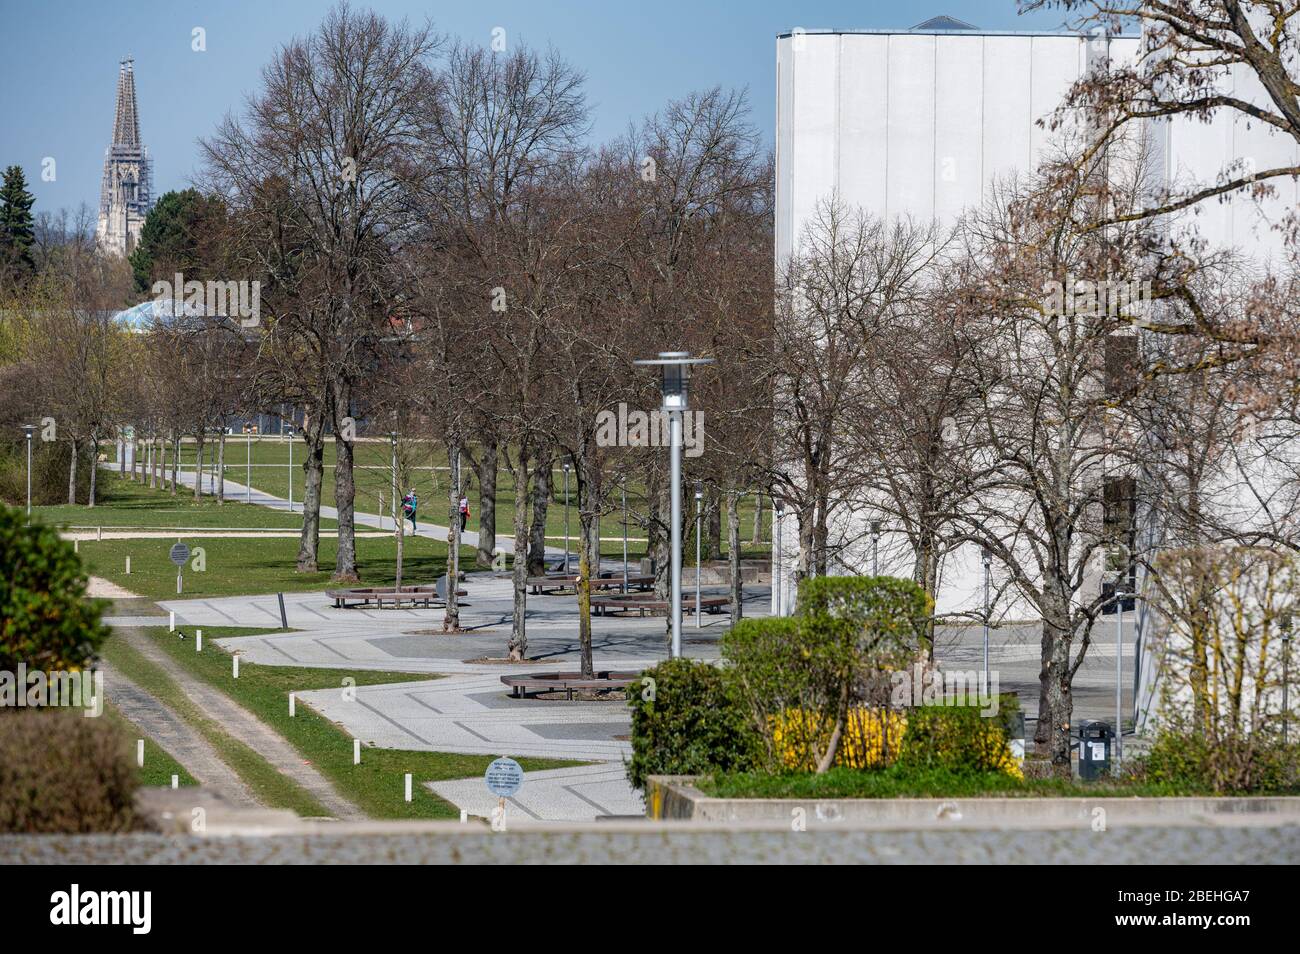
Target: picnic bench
[
  {"x": 624, "y": 602},
  {"x": 426, "y": 596},
  {"x": 522, "y": 684},
  {"x": 562, "y": 581}
]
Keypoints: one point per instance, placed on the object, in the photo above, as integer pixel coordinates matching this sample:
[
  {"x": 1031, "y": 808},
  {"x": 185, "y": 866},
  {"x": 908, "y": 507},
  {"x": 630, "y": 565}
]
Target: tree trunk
[
  {"x": 541, "y": 500},
  {"x": 345, "y": 491},
  {"x": 733, "y": 553},
  {"x": 72, "y": 474},
  {"x": 712, "y": 524},
  {"x": 518, "y": 646},
  {"x": 176, "y": 461},
  {"x": 589, "y": 504},
  {"x": 451, "y": 617},
  {"x": 198, "y": 467},
  {"x": 94, "y": 467},
  {"x": 220, "y": 476},
  {"x": 313, "y": 474},
  {"x": 487, "y": 506}
]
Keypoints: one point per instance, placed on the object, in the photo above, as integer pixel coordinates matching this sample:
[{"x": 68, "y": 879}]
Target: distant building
[{"x": 126, "y": 194}]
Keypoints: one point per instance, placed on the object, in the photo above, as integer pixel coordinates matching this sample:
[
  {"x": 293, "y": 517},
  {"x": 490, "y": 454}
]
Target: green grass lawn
[
  {"x": 128, "y": 503},
  {"x": 376, "y": 785},
  {"x": 424, "y": 468},
  {"x": 159, "y": 766},
  {"x": 241, "y": 565}
]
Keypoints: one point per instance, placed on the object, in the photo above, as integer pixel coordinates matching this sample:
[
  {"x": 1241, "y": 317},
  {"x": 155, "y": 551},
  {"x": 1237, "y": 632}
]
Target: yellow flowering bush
[{"x": 871, "y": 737}]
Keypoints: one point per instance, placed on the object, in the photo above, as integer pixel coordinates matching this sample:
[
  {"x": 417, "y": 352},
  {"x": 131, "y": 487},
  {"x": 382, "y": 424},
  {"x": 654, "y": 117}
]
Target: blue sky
[{"x": 58, "y": 62}]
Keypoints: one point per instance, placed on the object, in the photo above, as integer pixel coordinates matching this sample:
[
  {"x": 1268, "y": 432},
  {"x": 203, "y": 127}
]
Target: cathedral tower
[{"x": 126, "y": 192}]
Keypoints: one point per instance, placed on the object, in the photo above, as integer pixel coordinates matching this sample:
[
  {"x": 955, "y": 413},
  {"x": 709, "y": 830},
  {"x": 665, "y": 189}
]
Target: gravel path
[
  {"x": 175, "y": 735},
  {"x": 246, "y": 727}
]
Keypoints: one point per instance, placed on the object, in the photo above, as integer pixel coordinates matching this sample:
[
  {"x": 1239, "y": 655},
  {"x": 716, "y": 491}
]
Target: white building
[{"x": 923, "y": 122}]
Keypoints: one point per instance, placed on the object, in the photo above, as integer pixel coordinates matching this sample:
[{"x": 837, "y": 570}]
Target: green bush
[
  {"x": 959, "y": 739},
  {"x": 50, "y": 464},
  {"x": 1253, "y": 765},
  {"x": 63, "y": 772},
  {"x": 801, "y": 677},
  {"x": 687, "y": 719},
  {"x": 45, "y": 620}
]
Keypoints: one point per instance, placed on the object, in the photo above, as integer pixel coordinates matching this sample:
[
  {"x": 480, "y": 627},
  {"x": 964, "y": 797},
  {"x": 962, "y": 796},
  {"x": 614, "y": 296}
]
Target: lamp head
[{"x": 676, "y": 375}]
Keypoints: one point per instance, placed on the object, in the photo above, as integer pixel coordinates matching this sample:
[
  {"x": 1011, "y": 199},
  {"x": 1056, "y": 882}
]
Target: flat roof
[{"x": 876, "y": 32}]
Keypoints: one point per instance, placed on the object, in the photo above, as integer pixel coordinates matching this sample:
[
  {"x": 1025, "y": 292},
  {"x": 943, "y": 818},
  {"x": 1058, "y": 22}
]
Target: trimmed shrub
[
  {"x": 687, "y": 719},
  {"x": 959, "y": 739},
  {"x": 63, "y": 772},
  {"x": 45, "y": 619},
  {"x": 832, "y": 657}
]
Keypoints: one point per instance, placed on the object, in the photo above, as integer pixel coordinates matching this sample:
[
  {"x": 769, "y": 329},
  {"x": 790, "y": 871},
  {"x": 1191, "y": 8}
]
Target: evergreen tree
[
  {"x": 171, "y": 237},
  {"x": 17, "y": 231}
]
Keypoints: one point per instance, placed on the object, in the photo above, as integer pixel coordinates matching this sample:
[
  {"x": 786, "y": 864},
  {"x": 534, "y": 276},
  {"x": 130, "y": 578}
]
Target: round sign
[
  {"x": 504, "y": 777},
  {"x": 180, "y": 552}
]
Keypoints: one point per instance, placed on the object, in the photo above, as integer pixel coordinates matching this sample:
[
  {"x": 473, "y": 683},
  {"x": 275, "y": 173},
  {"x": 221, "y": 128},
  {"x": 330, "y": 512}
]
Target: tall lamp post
[
  {"x": 778, "y": 510},
  {"x": 875, "y": 548},
  {"x": 699, "y": 526},
  {"x": 676, "y": 367},
  {"x": 248, "y": 463},
  {"x": 566, "y": 519},
  {"x": 397, "y": 514},
  {"x": 291, "y": 470},
  {"x": 625, "y": 534},
  {"x": 29, "y": 429},
  {"x": 1119, "y": 669},
  {"x": 987, "y": 558},
  {"x": 1286, "y": 676}
]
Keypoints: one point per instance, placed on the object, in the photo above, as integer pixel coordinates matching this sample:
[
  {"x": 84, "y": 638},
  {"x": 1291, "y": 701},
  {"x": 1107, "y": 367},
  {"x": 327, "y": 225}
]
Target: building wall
[{"x": 922, "y": 124}]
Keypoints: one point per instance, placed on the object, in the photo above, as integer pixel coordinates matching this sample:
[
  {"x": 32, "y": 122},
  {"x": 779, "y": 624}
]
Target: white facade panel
[
  {"x": 959, "y": 125},
  {"x": 863, "y": 95},
  {"x": 910, "y": 129},
  {"x": 1006, "y": 77}
]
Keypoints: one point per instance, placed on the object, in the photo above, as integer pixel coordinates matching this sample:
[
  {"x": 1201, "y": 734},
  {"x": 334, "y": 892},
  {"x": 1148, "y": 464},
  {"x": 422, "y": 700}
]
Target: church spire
[
  {"x": 125, "y": 196},
  {"x": 126, "y": 125}
]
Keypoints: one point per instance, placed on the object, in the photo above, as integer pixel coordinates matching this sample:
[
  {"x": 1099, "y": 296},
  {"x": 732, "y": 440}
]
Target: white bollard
[
  {"x": 128, "y": 566},
  {"x": 408, "y": 786},
  {"x": 139, "y": 752},
  {"x": 176, "y": 781},
  {"x": 99, "y": 534},
  {"x": 171, "y": 622},
  {"x": 464, "y": 815},
  {"x": 198, "y": 640},
  {"x": 236, "y": 665},
  {"x": 291, "y": 705},
  {"x": 356, "y": 751}
]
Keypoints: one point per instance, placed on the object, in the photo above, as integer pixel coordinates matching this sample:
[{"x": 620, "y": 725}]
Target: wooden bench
[
  {"x": 521, "y": 684},
  {"x": 558, "y": 581},
  {"x": 425, "y": 596},
  {"x": 615, "y": 603}
]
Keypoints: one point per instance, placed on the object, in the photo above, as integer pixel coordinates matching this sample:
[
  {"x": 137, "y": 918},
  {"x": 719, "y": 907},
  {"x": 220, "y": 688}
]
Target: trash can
[{"x": 1095, "y": 741}]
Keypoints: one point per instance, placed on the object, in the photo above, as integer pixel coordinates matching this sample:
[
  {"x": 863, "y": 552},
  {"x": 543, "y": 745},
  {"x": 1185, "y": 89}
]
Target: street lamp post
[
  {"x": 987, "y": 558},
  {"x": 1119, "y": 670},
  {"x": 676, "y": 367},
  {"x": 566, "y": 518},
  {"x": 778, "y": 510},
  {"x": 1286, "y": 676},
  {"x": 248, "y": 465},
  {"x": 699, "y": 526},
  {"x": 875, "y": 548},
  {"x": 291, "y": 470},
  {"x": 624, "y": 534},
  {"x": 28, "y": 429},
  {"x": 397, "y": 515}
]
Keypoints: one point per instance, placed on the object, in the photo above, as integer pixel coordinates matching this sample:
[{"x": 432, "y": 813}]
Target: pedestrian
[
  {"x": 409, "y": 504},
  {"x": 464, "y": 512}
]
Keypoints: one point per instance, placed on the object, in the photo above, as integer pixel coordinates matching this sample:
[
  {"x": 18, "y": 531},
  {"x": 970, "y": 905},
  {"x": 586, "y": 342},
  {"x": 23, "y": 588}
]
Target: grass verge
[
  {"x": 159, "y": 765},
  {"x": 266, "y": 783},
  {"x": 377, "y": 784}
]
